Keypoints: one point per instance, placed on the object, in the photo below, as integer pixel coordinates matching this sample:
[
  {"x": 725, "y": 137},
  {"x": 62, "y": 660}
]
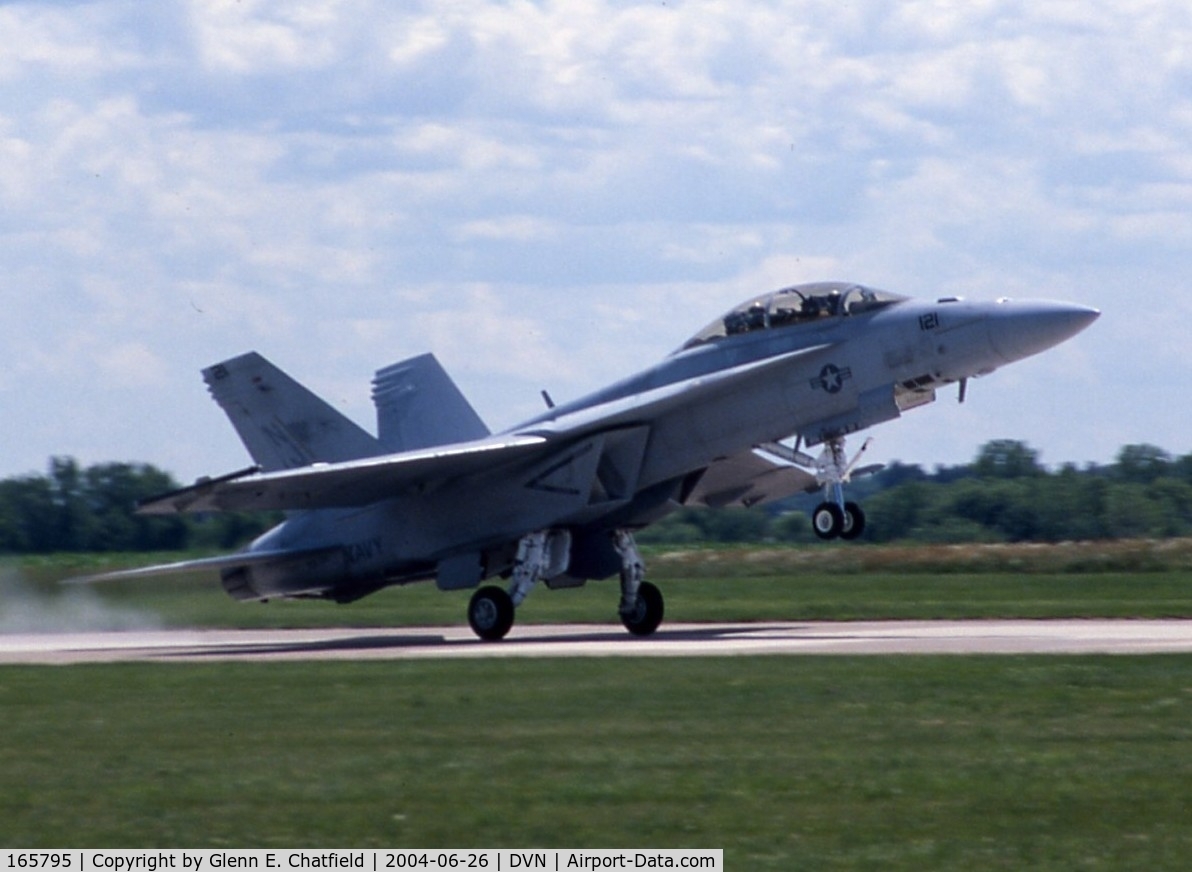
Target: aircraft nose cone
[{"x": 1018, "y": 329}]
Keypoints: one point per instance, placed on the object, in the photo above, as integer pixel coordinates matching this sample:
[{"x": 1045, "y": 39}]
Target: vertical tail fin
[
  {"x": 419, "y": 406},
  {"x": 281, "y": 423}
]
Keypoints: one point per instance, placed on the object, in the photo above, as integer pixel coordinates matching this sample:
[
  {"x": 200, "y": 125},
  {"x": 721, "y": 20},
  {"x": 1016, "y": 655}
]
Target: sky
[{"x": 555, "y": 195}]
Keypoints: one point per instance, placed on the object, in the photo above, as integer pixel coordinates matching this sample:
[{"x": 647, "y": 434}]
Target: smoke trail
[{"x": 29, "y": 608}]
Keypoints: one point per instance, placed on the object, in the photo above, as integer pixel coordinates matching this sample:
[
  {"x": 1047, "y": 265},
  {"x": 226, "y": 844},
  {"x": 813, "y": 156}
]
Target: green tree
[
  {"x": 112, "y": 493},
  {"x": 1070, "y": 505},
  {"x": 1007, "y": 458},
  {"x": 1131, "y": 512},
  {"x": 901, "y": 512},
  {"x": 1174, "y": 499},
  {"x": 93, "y": 509},
  {"x": 28, "y": 515},
  {"x": 1142, "y": 463},
  {"x": 74, "y": 527}
]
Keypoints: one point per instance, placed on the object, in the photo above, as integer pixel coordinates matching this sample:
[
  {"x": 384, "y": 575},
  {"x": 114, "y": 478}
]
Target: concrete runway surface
[{"x": 591, "y": 640}]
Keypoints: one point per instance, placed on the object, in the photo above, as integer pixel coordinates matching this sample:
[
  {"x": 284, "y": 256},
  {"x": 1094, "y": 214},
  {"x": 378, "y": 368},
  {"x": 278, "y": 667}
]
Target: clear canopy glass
[{"x": 793, "y": 306}]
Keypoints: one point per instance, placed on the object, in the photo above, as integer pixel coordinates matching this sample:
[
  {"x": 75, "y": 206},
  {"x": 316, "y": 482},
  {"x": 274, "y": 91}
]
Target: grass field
[
  {"x": 1122, "y": 579},
  {"x": 786, "y": 763}
]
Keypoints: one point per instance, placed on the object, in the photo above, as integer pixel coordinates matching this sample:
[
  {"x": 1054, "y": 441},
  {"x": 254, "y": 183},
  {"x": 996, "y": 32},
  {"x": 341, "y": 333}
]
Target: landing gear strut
[
  {"x": 542, "y": 554},
  {"x": 835, "y": 517},
  {"x": 641, "y": 607},
  {"x": 546, "y": 554}
]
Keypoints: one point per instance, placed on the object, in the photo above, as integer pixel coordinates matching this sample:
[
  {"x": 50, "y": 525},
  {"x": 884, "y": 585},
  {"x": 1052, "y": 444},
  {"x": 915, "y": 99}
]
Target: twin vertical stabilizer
[
  {"x": 285, "y": 426},
  {"x": 419, "y": 406},
  {"x": 281, "y": 423}
]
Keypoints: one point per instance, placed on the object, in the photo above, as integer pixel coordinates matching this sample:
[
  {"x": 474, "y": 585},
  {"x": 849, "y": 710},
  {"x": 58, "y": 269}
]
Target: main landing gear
[
  {"x": 641, "y": 607},
  {"x": 834, "y": 517},
  {"x": 545, "y": 554}
]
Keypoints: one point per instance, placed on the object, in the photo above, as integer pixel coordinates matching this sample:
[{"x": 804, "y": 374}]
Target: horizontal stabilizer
[
  {"x": 225, "y": 561},
  {"x": 419, "y": 406},
  {"x": 282, "y": 424}
]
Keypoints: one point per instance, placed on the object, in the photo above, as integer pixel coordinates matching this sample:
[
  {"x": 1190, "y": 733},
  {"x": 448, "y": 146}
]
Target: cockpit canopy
[{"x": 798, "y": 304}]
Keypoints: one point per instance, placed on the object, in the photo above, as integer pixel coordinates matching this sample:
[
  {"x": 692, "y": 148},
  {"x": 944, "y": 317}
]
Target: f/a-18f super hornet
[{"x": 728, "y": 419}]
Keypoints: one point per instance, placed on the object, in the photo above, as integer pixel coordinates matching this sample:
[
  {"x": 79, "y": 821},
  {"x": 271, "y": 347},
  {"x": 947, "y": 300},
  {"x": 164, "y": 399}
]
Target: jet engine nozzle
[{"x": 1020, "y": 328}]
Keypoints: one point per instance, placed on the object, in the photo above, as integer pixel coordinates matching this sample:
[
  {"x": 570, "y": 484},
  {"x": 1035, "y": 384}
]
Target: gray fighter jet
[{"x": 728, "y": 419}]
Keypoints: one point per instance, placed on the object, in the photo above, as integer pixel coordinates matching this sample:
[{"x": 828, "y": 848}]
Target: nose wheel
[{"x": 831, "y": 521}]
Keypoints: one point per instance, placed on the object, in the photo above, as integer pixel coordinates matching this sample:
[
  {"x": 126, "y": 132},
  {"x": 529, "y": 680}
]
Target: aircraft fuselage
[{"x": 628, "y": 453}]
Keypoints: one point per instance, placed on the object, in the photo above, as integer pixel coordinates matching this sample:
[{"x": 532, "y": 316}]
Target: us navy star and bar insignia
[{"x": 832, "y": 378}]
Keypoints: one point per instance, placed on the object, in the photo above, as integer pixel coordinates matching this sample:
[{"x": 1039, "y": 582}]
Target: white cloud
[
  {"x": 133, "y": 365},
  {"x": 472, "y": 328},
  {"x": 518, "y": 228},
  {"x": 415, "y": 39},
  {"x": 556, "y": 188},
  {"x": 248, "y": 36},
  {"x": 40, "y": 37}
]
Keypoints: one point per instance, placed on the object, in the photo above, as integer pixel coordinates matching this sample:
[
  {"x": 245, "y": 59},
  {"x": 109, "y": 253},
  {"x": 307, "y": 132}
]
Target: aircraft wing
[
  {"x": 224, "y": 561},
  {"x": 359, "y": 482},
  {"x": 749, "y": 479},
  {"x": 331, "y": 485}
]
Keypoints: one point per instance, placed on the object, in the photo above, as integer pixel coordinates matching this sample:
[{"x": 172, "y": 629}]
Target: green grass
[
  {"x": 712, "y": 589},
  {"x": 785, "y": 762}
]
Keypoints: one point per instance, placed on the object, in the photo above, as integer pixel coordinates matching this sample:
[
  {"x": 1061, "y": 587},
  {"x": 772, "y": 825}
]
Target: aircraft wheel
[
  {"x": 854, "y": 522},
  {"x": 490, "y": 613},
  {"x": 647, "y": 611},
  {"x": 827, "y": 520}
]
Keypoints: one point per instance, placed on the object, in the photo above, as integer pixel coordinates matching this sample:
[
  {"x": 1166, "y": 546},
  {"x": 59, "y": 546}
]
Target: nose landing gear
[{"x": 834, "y": 517}]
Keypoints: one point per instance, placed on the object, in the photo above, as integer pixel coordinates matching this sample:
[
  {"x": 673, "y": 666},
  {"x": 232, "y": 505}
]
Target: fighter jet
[{"x": 727, "y": 419}]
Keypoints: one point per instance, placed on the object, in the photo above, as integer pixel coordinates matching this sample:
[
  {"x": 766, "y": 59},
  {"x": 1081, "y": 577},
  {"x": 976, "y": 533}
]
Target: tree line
[
  {"x": 92, "y": 509},
  {"x": 1004, "y": 495}
]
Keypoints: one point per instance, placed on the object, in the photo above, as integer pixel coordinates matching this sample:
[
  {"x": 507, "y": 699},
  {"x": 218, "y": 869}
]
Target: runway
[{"x": 1126, "y": 637}]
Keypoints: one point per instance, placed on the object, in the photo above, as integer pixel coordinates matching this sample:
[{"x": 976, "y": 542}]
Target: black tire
[
  {"x": 854, "y": 522},
  {"x": 827, "y": 520},
  {"x": 490, "y": 613},
  {"x": 647, "y": 612}
]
